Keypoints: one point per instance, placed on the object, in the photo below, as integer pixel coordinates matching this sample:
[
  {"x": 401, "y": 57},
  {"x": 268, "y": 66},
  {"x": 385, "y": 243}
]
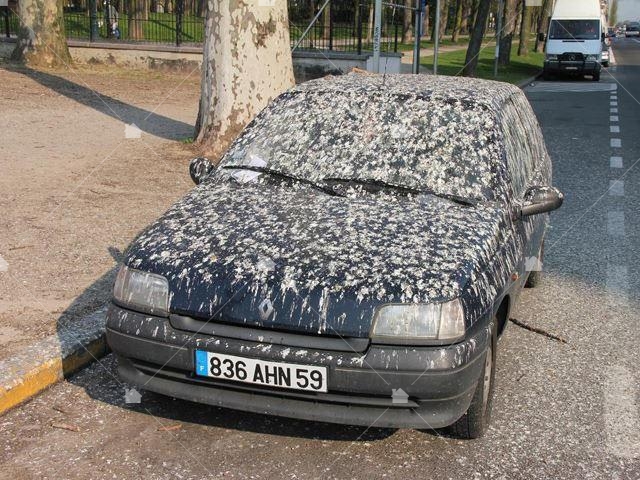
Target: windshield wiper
[
  {"x": 469, "y": 202},
  {"x": 286, "y": 176}
]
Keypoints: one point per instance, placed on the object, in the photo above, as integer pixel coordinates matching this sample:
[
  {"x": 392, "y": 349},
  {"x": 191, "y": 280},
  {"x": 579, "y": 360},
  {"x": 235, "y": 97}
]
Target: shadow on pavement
[{"x": 147, "y": 121}]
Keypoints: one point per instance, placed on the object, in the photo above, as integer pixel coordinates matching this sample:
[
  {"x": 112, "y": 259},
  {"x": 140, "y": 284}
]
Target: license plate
[
  {"x": 261, "y": 372},
  {"x": 570, "y": 68}
]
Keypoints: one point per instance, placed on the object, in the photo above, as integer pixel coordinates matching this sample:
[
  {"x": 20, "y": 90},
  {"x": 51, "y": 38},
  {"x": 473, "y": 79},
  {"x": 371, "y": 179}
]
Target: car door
[{"x": 525, "y": 164}]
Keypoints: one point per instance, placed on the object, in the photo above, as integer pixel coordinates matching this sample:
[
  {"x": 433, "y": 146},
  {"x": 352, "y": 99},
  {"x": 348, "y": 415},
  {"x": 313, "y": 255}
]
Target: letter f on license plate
[{"x": 261, "y": 372}]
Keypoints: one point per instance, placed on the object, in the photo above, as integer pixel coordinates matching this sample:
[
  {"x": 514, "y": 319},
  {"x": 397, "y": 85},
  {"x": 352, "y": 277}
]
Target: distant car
[
  {"x": 611, "y": 32},
  {"x": 353, "y": 258},
  {"x": 633, "y": 30},
  {"x": 604, "y": 57}
]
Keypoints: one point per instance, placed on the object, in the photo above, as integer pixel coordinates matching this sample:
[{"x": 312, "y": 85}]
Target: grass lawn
[
  {"x": 161, "y": 27},
  {"x": 429, "y": 44},
  {"x": 520, "y": 69}
]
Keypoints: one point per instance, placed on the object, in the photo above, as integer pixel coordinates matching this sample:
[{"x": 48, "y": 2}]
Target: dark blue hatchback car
[{"x": 353, "y": 258}]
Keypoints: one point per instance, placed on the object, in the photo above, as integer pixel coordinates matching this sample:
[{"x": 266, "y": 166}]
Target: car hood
[{"x": 294, "y": 258}]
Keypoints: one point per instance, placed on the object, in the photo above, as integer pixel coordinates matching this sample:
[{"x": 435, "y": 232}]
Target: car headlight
[
  {"x": 418, "y": 323},
  {"x": 552, "y": 57},
  {"x": 591, "y": 58},
  {"x": 142, "y": 291}
]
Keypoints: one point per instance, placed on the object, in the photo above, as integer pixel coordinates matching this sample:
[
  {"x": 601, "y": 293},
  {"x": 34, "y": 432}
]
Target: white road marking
[
  {"x": 615, "y": 223},
  {"x": 613, "y": 118},
  {"x": 613, "y": 98},
  {"x": 616, "y": 162},
  {"x": 621, "y": 419},
  {"x": 613, "y": 110},
  {"x": 4, "y": 266},
  {"x": 613, "y": 104},
  {"x": 616, "y": 142},
  {"x": 616, "y": 188},
  {"x": 580, "y": 87},
  {"x": 614, "y": 129}
]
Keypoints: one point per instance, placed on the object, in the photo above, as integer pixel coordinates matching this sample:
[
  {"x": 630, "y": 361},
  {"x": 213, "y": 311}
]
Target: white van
[{"x": 574, "y": 43}]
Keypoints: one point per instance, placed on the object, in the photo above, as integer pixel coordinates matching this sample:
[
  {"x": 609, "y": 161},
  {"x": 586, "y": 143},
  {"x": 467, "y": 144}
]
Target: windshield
[
  {"x": 445, "y": 146},
  {"x": 574, "y": 30}
]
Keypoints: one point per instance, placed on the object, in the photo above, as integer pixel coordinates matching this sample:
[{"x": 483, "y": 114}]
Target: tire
[
  {"x": 475, "y": 421},
  {"x": 535, "y": 276},
  {"x": 596, "y": 77},
  {"x": 605, "y": 64}
]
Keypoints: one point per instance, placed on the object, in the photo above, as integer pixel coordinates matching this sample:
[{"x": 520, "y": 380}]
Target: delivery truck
[{"x": 575, "y": 39}]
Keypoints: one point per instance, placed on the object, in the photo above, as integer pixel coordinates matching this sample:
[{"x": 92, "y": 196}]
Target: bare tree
[
  {"x": 457, "y": 21},
  {"x": 525, "y": 25},
  {"x": 475, "y": 42},
  {"x": 41, "y": 38},
  {"x": 510, "y": 20},
  {"x": 247, "y": 63},
  {"x": 543, "y": 23}
]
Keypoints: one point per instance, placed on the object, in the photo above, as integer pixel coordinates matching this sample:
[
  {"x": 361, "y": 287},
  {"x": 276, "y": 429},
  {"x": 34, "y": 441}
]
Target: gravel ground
[{"x": 74, "y": 190}]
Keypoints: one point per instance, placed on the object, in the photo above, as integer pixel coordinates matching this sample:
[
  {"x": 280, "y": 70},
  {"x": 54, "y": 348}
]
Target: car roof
[{"x": 446, "y": 89}]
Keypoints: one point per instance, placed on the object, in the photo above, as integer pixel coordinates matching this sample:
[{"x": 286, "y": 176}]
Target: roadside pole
[
  {"x": 377, "y": 31},
  {"x": 498, "y": 37},
  {"x": 418, "y": 37},
  {"x": 436, "y": 40}
]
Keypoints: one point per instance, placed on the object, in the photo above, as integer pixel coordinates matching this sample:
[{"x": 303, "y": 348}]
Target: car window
[
  {"x": 445, "y": 145},
  {"x": 523, "y": 142}
]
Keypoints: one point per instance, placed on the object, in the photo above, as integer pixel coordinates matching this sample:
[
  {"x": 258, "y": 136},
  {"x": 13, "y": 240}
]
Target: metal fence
[{"x": 344, "y": 25}]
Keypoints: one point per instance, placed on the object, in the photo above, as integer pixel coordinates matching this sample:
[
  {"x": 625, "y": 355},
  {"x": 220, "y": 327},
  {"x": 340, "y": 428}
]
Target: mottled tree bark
[
  {"x": 475, "y": 42},
  {"x": 247, "y": 63},
  {"x": 525, "y": 24},
  {"x": 41, "y": 38}
]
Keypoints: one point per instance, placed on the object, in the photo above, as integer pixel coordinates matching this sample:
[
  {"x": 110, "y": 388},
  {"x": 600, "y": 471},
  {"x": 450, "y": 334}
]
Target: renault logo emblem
[{"x": 265, "y": 309}]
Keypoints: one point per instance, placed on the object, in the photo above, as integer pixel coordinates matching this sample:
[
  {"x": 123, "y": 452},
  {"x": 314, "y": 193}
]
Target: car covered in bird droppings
[{"x": 352, "y": 258}]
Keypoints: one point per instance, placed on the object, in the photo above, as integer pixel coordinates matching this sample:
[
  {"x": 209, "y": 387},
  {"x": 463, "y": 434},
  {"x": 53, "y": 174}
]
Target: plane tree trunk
[
  {"x": 246, "y": 63},
  {"x": 41, "y": 38},
  {"x": 475, "y": 42}
]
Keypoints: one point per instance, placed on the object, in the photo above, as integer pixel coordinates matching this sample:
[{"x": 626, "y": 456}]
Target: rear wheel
[{"x": 474, "y": 423}]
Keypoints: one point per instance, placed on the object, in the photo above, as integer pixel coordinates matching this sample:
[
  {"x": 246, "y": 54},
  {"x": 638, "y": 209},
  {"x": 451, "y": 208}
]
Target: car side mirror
[
  {"x": 539, "y": 199},
  {"x": 541, "y": 37},
  {"x": 199, "y": 169}
]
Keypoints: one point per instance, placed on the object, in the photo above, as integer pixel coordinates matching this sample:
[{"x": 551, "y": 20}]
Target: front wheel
[
  {"x": 474, "y": 423},
  {"x": 535, "y": 274},
  {"x": 596, "y": 77}
]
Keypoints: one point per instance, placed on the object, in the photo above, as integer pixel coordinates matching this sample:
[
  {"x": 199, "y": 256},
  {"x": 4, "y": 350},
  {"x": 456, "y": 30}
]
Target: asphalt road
[{"x": 562, "y": 410}]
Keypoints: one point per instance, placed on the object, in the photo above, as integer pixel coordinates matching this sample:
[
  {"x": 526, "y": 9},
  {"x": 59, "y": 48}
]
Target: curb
[
  {"x": 40, "y": 365},
  {"x": 527, "y": 81}
]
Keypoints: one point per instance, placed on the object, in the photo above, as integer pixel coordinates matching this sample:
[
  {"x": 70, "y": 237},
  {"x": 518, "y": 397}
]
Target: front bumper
[
  {"x": 576, "y": 67},
  {"x": 439, "y": 381}
]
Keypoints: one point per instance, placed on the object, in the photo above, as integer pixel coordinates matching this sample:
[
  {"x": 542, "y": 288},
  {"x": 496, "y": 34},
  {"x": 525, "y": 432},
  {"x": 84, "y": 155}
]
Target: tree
[
  {"x": 543, "y": 23},
  {"x": 613, "y": 12},
  {"x": 457, "y": 21},
  {"x": 525, "y": 25},
  {"x": 475, "y": 42},
  {"x": 41, "y": 38},
  {"x": 136, "y": 9},
  {"x": 407, "y": 25},
  {"x": 246, "y": 63},
  {"x": 510, "y": 20}
]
